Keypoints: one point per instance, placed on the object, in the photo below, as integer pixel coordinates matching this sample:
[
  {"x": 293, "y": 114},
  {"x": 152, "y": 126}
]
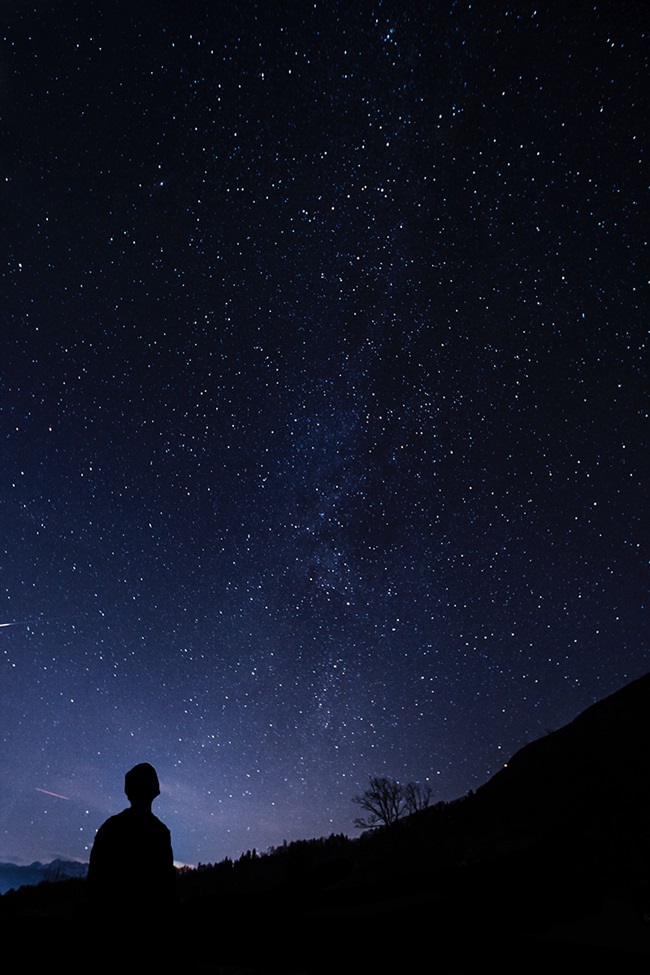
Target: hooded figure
[{"x": 131, "y": 873}]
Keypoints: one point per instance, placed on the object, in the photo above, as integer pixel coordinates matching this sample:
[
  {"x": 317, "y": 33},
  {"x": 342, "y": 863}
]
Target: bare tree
[
  {"x": 383, "y": 800},
  {"x": 386, "y": 801},
  {"x": 416, "y": 797}
]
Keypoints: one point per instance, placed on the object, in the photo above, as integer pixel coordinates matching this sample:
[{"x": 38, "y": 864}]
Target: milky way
[{"x": 322, "y": 402}]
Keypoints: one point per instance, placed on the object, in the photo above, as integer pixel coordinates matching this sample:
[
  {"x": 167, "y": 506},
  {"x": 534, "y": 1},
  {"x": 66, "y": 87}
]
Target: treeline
[
  {"x": 279, "y": 867},
  {"x": 428, "y": 837}
]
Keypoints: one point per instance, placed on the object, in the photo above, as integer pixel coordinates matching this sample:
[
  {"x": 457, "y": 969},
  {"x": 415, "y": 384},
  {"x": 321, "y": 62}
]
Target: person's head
[{"x": 141, "y": 784}]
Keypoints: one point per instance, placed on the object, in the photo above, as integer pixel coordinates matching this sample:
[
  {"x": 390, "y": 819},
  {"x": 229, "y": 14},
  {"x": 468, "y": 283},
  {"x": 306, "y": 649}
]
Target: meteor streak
[
  {"x": 55, "y": 794},
  {"x": 47, "y": 619}
]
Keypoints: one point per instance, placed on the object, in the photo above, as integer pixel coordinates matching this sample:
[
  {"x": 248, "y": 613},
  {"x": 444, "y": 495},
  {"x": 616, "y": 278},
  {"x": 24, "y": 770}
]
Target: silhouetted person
[{"x": 131, "y": 877}]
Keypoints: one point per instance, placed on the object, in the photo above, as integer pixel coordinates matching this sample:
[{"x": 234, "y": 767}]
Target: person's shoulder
[
  {"x": 114, "y": 822},
  {"x": 120, "y": 817},
  {"x": 159, "y": 825}
]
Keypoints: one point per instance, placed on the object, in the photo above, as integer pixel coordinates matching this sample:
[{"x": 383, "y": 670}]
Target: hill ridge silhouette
[{"x": 598, "y": 760}]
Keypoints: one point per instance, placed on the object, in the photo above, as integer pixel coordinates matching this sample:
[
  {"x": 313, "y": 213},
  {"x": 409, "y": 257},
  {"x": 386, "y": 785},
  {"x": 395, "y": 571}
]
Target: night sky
[{"x": 322, "y": 402}]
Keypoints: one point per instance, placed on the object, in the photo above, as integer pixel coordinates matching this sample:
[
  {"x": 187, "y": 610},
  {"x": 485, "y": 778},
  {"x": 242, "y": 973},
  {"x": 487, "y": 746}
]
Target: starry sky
[{"x": 322, "y": 402}]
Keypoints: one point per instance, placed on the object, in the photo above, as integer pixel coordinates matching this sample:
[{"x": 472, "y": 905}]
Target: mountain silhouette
[
  {"x": 14, "y": 876},
  {"x": 585, "y": 786},
  {"x": 601, "y": 751}
]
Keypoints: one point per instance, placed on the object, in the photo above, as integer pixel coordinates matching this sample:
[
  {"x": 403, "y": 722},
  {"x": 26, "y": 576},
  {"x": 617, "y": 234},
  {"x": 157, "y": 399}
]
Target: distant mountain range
[{"x": 13, "y": 876}]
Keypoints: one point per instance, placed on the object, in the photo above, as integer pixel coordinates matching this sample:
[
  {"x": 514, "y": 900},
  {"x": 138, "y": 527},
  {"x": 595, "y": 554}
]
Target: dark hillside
[
  {"x": 602, "y": 752},
  {"x": 586, "y": 786}
]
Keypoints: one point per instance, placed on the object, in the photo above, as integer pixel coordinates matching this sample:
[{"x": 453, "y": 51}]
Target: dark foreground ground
[{"x": 475, "y": 925}]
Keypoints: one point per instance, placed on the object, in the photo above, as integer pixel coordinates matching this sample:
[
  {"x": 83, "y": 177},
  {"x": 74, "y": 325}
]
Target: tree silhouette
[
  {"x": 416, "y": 797},
  {"x": 386, "y": 800}
]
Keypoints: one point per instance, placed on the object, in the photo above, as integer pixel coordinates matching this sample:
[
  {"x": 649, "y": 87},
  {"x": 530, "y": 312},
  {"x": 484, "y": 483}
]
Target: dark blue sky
[{"x": 323, "y": 415}]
